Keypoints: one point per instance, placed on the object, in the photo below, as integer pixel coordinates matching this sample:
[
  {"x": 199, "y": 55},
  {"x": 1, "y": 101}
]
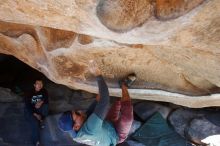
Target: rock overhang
[{"x": 174, "y": 55}]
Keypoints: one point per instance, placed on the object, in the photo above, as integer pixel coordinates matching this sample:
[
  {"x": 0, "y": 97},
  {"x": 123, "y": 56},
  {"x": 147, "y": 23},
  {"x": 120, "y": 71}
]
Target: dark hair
[
  {"x": 39, "y": 79},
  {"x": 77, "y": 112}
]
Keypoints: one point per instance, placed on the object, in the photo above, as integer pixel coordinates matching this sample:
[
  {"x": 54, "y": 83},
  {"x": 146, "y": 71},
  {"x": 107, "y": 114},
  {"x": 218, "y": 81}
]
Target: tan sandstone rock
[{"x": 172, "y": 46}]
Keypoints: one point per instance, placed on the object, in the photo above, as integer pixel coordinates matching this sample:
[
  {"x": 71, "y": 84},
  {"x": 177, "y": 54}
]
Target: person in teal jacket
[{"x": 102, "y": 126}]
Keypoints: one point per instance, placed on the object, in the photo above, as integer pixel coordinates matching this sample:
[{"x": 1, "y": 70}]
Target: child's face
[{"x": 38, "y": 85}]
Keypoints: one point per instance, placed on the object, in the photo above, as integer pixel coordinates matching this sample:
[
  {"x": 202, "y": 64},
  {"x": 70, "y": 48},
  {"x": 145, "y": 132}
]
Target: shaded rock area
[
  {"x": 63, "y": 98},
  {"x": 19, "y": 78},
  {"x": 13, "y": 124},
  {"x": 8, "y": 96},
  {"x": 13, "y": 121},
  {"x": 144, "y": 110},
  {"x": 15, "y": 129},
  {"x": 181, "y": 118},
  {"x": 200, "y": 129},
  {"x": 191, "y": 124}
]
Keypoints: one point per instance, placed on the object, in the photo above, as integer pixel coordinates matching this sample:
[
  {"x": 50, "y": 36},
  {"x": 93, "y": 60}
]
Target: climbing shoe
[{"x": 128, "y": 81}]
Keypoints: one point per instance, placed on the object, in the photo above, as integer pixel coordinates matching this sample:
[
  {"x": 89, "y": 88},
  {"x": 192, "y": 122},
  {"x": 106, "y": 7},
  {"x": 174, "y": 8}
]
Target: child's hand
[
  {"x": 38, "y": 104},
  {"x": 38, "y": 116}
]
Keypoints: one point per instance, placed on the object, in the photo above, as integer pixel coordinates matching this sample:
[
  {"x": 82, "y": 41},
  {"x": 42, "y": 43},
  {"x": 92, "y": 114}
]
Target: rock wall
[{"x": 172, "y": 46}]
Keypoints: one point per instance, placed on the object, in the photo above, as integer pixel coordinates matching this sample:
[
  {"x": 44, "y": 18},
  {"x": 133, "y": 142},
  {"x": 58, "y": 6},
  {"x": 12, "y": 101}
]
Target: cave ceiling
[{"x": 173, "y": 46}]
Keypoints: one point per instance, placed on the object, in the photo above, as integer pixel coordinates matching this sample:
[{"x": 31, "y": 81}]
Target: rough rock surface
[
  {"x": 180, "y": 119},
  {"x": 172, "y": 46},
  {"x": 15, "y": 129},
  {"x": 201, "y": 129},
  {"x": 7, "y": 96},
  {"x": 62, "y": 99},
  {"x": 145, "y": 110}
]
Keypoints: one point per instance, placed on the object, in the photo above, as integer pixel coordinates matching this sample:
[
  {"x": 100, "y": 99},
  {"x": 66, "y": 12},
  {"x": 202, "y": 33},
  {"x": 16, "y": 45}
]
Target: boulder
[
  {"x": 62, "y": 98},
  {"x": 172, "y": 46},
  {"x": 181, "y": 118},
  {"x": 131, "y": 143},
  {"x": 202, "y": 130},
  {"x": 6, "y": 95},
  {"x": 145, "y": 110}
]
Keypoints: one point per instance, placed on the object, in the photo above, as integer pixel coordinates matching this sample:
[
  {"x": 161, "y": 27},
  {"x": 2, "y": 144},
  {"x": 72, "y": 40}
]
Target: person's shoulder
[{"x": 94, "y": 116}]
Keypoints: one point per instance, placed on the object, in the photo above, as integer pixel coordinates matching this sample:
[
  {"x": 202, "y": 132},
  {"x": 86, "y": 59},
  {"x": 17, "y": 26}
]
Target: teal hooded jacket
[{"x": 97, "y": 132}]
